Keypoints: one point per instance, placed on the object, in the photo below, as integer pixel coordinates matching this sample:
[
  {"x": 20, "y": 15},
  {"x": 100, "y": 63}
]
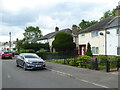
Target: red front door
[{"x": 82, "y": 49}]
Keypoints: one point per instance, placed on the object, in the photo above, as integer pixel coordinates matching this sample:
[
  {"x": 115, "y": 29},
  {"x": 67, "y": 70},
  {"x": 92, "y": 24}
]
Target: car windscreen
[
  {"x": 30, "y": 56},
  {"x": 6, "y": 52}
]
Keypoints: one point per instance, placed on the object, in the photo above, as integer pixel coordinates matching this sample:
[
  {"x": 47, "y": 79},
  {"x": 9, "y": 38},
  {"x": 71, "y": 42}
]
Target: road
[{"x": 15, "y": 77}]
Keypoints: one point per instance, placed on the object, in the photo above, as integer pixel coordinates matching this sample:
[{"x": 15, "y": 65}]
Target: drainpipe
[{"x": 105, "y": 42}]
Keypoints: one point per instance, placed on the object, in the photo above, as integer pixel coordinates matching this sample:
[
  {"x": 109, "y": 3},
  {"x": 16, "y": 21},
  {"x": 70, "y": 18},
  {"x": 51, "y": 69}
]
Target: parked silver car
[{"x": 30, "y": 61}]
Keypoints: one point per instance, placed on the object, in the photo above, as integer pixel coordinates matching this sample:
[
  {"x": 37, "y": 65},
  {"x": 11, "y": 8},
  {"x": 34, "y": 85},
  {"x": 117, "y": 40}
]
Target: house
[
  {"x": 103, "y": 36},
  {"x": 49, "y": 38},
  {"x": 6, "y": 46},
  {"x": 113, "y": 37}
]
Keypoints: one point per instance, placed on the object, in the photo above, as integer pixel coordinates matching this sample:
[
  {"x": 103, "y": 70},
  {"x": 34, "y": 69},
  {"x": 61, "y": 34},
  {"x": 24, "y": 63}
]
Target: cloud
[
  {"x": 5, "y": 29},
  {"x": 18, "y": 14}
]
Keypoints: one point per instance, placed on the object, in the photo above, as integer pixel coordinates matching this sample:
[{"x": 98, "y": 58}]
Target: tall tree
[
  {"x": 89, "y": 52},
  {"x": 84, "y": 24},
  {"x": 108, "y": 14},
  {"x": 31, "y": 32},
  {"x": 63, "y": 42}
]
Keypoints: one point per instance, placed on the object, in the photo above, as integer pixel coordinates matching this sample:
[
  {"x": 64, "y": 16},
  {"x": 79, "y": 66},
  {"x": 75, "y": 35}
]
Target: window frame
[
  {"x": 94, "y": 34},
  {"x": 118, "y": 50},
  {"x": 95, "y": 50}
]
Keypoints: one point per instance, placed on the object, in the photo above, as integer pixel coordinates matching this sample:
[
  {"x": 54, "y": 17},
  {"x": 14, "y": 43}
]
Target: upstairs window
[
  {"x": 82, "y": 35},
  {"x": 94, "y": 34},
  {"x": 118, "y": 31},
  {"x": 118, "y": 51}
]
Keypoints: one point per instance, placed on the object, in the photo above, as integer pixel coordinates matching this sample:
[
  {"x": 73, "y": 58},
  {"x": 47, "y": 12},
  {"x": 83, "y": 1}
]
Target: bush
[
  {"x": 89, "y": 52},
  {"x": 118, "y": 58},
  {"x": 55, "y": 55},
  {"x": 27, "y": 51},
  {"x": 82, "y": 60},
  {"x": 72, "y": 62},
  {"x": 83, "y": 57},
  {"x": 102, "y": 58}
]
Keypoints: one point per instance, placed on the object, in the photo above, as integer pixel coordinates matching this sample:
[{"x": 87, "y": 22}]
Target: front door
[{"x": 82, "y": 49}]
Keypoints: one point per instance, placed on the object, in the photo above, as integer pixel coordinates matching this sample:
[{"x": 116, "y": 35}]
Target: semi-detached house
[{"x": 103, "y": 36}]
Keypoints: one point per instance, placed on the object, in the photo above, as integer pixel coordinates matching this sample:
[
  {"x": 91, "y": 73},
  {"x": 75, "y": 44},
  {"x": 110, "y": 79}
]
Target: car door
[
  {"x": 18, "y": 60},
  {"x": 22, "y": 60}
]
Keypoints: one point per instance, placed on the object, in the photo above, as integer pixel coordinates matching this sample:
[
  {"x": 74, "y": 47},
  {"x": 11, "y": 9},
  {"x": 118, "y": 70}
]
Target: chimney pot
[{"x": 56, "y": 29}]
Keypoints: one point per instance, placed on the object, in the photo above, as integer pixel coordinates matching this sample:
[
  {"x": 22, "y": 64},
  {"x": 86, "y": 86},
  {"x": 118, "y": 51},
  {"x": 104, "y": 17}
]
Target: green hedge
[
  {"x": 26, "y": 51},
  {"x": 55, "y": 55}
]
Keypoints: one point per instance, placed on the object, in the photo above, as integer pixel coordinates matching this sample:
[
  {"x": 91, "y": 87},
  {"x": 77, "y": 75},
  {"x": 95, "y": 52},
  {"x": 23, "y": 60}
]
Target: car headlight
[
  {"x": 29, "y": 62},
  {"x": 44, "y": 62}
]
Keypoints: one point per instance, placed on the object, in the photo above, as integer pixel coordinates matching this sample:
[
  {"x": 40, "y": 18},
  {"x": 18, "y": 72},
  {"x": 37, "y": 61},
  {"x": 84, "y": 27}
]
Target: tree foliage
[
  {"x": 63, "y": 42},
  {"x": 89, "y": 52},
  {"x": 20, "y": 44},
  {"x": 31, "y": 32},
  {"x": 84, "y": 24},
  {"x": 108, "y": 14}
]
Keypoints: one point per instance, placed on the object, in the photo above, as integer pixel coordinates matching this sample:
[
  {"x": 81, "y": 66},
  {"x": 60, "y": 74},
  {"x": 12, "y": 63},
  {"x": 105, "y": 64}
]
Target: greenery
[
  {"x": 27, "y": 51},
  {"x": 31, "y": 32},
  {"x": 108, "y": 14},
  {"x": 63, "y": 42},
  {"x": 89, "y": 52},
  {"x": 55, "y": 55},
  {"x": 102, "y": 58},
  {"x": 85, "y": 62},
  {"x": 84, "y": 24},
  {"x": 35, "y": 46}
]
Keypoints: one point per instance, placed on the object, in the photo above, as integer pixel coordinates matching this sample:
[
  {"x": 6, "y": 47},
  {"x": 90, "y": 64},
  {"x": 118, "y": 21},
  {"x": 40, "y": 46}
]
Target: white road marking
[{"x": 78, "y": 78}]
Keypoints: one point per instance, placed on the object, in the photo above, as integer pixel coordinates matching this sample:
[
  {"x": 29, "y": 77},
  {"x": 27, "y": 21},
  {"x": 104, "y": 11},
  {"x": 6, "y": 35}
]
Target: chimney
[
  {"x": 56, "y": 29},
  {"x": 117, "y": 10},
  {"x": 74, "y": 29}
]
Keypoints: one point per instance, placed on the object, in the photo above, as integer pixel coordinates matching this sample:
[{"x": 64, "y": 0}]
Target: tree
[
  {"x": 89, "y": 52},
  {"x": 19, "y": 44},
  {"x": 63, "y": 42},
  {"x": 31, "y": 32},
  {"x": 108, "y": 14},
  {"x": 84, "y": 24}
]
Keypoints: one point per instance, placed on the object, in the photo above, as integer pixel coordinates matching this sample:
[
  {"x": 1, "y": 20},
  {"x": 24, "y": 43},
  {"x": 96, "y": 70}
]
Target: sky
[{"x": 16, "y": 15}]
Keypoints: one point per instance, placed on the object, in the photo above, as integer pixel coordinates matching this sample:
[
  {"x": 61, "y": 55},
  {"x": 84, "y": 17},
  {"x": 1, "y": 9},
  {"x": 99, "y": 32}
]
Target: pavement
[{"x": 98, "y": 78}]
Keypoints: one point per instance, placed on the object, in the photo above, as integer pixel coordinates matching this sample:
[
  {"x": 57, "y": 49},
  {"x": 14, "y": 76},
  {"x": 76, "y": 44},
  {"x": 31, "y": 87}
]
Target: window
[
  {"x": 95, "y": 50},
  {"x": 118, "y": 31},
  {"x": 94, "y": 34},
  {"x": 118, "y": 51},
  {"x": 82, "y": 35}
]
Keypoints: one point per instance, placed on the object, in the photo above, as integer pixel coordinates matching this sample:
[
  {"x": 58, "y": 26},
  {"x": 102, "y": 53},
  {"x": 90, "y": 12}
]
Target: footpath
[{"x": 99, "y": 78}]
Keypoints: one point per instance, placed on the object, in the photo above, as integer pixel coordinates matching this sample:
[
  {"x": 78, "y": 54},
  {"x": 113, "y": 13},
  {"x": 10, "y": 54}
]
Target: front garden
[{"x": 101, "y": 62}]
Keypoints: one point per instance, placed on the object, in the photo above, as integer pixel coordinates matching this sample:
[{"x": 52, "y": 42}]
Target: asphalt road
[{"x": 16, "y": 77}]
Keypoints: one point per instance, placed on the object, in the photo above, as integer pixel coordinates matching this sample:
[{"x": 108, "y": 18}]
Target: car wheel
[
  {"x": 17, "y": 65},
  {"x": 24, "y": 67}
]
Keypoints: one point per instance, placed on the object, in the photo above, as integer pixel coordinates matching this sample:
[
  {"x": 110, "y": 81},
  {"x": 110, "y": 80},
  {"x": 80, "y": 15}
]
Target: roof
[
  {"x": 114, "y": 23},
  {"x": 98, "y": 26},
  {"x": 51, "y": 35},
  {"x": 34, "y": 39}
]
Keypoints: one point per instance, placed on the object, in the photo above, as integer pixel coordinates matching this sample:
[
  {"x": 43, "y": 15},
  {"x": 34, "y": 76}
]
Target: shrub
[
  {"x": 118, "y": 58},
  {"x": 83, "y": 57},
  {"x": 102, "y": 58},
  {"x": 27, "y": 51},
  {"x": 72, "y": 62},
  {"x": 55, "y": 55},
  {"x": 82, "y": 60},
  {"x": 89, "y": 52}
]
